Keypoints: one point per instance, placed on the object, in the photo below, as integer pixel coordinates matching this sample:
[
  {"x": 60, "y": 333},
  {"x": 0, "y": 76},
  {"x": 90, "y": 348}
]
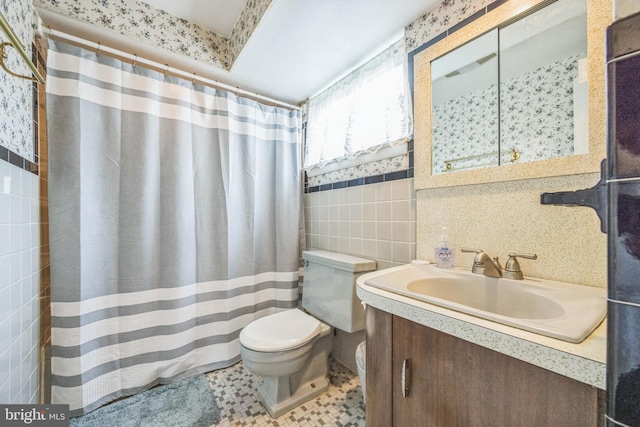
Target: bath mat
[{"x": 186, "y": 403}]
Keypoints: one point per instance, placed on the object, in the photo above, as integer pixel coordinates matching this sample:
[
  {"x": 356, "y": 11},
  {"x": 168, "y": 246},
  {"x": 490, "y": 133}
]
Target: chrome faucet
[{"x": 483, "y": 264}]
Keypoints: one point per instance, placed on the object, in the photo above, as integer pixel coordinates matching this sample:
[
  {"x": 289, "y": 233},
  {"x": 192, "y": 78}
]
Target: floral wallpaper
[
  {"x": 536, "y": 118},
  {"x": 154, "y": 26},
  {"x": 439, "y": 19},
  {"x": 545, "y": 98},
  {"x": 246, "y": 25},
  {"x": 16, "y": 130},
  {"x": 465, "y": 126},
  {"x": 393, "y": 164}
]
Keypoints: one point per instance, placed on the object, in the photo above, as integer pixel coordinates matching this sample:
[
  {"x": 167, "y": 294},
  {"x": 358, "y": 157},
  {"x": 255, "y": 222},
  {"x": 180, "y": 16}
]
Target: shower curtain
[{"x": 174, "y": 222}]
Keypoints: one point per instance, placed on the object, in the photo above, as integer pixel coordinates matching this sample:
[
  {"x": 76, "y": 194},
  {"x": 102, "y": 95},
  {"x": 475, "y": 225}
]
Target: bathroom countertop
[{"x": 584, "y": 362}]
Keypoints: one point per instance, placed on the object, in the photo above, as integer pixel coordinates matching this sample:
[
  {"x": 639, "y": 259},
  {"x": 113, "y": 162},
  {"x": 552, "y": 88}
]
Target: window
[{"x": 365, "y": 112}]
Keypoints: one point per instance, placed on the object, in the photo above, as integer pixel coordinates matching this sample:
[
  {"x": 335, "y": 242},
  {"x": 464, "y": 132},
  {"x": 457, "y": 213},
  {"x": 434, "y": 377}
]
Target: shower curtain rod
[{"x": 167, "y": 69}]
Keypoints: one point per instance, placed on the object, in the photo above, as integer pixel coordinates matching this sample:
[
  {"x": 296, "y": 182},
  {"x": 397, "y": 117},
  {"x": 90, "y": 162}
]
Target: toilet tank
[{"x": 329, "y": 288}]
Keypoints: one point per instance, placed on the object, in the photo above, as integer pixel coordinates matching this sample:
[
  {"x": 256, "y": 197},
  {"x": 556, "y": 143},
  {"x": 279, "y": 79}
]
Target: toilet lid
[{"x": 281, "y": 331}]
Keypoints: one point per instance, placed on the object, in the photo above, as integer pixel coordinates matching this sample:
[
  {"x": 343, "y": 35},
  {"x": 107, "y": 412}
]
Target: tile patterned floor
[{"x": 235, "y": 391}]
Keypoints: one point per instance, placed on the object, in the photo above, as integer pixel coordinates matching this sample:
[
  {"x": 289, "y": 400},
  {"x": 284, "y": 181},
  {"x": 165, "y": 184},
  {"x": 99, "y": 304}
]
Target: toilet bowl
[{"x": 290, "y": 349}]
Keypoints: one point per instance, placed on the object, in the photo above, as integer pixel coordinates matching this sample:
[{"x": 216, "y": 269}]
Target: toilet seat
[{"x": 280, "y": 331}]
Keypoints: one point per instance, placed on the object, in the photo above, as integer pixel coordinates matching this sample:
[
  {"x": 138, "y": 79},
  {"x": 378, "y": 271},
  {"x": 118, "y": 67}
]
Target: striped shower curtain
[{"x": 174, "y": 222}]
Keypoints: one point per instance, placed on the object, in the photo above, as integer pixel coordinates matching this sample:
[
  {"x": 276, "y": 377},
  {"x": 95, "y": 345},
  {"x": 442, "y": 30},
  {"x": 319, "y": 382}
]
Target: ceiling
[
  {"x": 298, "y": 49},
  {"x": 219, "y": 16}
]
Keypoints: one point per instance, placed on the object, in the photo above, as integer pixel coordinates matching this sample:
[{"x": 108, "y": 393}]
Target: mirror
[
  {"x": 543, "y": 92},
  {"x": 516, "y": 94},
  {"x": 465, "y": 110}
]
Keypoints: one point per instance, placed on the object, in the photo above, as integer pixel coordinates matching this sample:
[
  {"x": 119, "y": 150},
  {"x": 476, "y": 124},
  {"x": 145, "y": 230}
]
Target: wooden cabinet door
[
  {"x": 450, "y": 382},
  {"x": 427, "y": 376},
  {"x": 379, "y": 407}
]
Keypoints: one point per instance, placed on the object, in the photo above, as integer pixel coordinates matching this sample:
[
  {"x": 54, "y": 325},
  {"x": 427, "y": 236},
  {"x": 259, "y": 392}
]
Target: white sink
[{"x": 556, "y": 309}]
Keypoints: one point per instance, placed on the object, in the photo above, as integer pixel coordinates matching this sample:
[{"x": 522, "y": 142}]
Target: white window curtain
[{"x": 368, "y": 110}]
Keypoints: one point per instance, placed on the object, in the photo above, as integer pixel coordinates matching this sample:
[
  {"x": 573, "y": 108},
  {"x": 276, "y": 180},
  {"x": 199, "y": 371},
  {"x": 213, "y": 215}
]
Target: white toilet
[{"x": 290, "y": 348}]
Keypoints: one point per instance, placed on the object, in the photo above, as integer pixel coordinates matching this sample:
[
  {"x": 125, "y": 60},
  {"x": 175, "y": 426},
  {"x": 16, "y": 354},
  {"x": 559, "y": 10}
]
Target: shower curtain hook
[
  {"x": 135, "y": 61},
  {"x": 166, "y": 70},
  {"x": 98, "y": 50},
  {"x": 255, "y": 97},
  {"x": 51, "y": 34},
  {"x": 193, "y": 80}
]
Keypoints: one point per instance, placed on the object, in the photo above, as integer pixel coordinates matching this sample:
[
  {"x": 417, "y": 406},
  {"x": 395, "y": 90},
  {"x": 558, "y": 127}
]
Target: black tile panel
[
  {"x": 413, "y": 103},
  {"x": 34, "y": 103},
  {"x": 355, "y": 182},
  {"x": 410, "y": 73},
  {"x": 623, "y": 36},
  {"x": 392, "y": 176},
  {"x": 374, "y": 179},
  {"x": 495, "y": 4},
  {"x": 624, "y": 241},
  {"x": 623, "y": 363},
  {"x": 36, "y": 138},
  {"x": 4, "y": 153},
  {"x": 19, "y": 161},
  {"x": 16, "y": 160},
  {"x": 341, "y": 184},
  {"x": 623, "y": 149}
]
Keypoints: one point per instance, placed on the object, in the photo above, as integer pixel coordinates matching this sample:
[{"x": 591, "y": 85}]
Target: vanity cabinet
[{"x": 451, "y": 382}]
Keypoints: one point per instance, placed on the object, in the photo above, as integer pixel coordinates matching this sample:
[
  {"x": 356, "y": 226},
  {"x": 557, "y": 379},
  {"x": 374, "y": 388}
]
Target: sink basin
[{"x": 556, "y": 309}]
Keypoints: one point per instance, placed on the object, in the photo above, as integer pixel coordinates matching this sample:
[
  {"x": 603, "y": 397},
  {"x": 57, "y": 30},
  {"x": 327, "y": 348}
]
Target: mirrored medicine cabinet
[{"x": 516, "y": 94}]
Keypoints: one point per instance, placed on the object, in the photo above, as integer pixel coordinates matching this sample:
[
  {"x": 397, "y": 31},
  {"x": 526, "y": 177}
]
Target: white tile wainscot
[{"x": 584, "y": 362}]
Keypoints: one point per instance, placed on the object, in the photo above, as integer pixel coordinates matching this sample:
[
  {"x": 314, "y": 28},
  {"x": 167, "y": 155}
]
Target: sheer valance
[{"x": 368, "y": 110}]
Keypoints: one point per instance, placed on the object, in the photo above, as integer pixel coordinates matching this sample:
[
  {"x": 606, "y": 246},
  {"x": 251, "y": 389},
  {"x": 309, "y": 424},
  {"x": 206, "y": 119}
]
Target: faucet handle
[
  {"x": 476, "y": 251},
  {"x": 512, "y": 267},
  {"x": 528, "y": 256}
]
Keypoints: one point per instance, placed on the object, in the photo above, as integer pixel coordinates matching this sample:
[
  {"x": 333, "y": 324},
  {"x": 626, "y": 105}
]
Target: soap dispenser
[{"x": 444, "y": 254}]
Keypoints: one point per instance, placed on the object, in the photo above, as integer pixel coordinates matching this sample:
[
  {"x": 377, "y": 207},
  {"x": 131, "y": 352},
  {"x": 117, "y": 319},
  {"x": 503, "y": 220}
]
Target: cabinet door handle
[{"x": 405, "y": 377}]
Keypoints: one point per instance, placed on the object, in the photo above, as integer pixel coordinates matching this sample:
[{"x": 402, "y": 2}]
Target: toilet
[{"x": 290, "y": 349}]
